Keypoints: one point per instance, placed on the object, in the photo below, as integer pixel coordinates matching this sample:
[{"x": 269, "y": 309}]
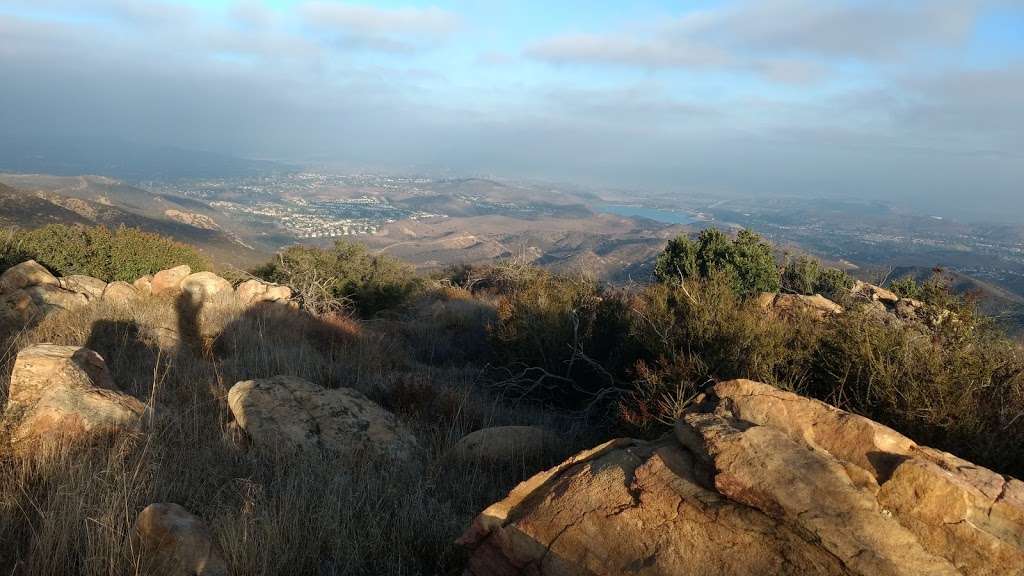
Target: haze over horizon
[{"x": 920, "y": 103}]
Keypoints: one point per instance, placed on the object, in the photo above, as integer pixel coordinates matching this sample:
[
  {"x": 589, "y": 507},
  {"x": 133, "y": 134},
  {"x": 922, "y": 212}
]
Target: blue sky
[{"x": 918, "y": 101}]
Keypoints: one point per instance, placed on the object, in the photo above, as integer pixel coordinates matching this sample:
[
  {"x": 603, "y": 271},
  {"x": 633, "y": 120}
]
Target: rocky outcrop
[
  {"x": 25, "y": 275},
  {"x": 817, "y": 305},
  {"x": 178, "y": 542},
  {"x": 168, "y": 282},
  {"x": 502, "y": 444},
  {"x": 756, "y": 480},
  {"x": 62, "y": 393},
  {"x": 254, "y": 291},
  {"x": 205, "y": 287},
  {"x": 91, "y": 288},
  {"x": 289, "y": 414}
]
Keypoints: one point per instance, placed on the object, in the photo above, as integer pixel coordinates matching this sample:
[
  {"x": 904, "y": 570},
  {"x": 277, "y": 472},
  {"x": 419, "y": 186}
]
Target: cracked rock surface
[
  {"x": 289, "y": 414},
  {"x": 756, "y": 480}
]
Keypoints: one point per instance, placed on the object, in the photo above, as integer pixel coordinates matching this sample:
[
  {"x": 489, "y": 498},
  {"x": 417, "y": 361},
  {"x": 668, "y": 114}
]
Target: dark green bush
[
  {"x": 327, "y": 279},
  {"x": 120, "y": 254},
  {"x": 906, "y": 287},
  {"x": 805, "y": 275},
  {"x": 747, "y": 261},
  {"x": 834, "y": 283},
  {"x": 559, "y": 337}
]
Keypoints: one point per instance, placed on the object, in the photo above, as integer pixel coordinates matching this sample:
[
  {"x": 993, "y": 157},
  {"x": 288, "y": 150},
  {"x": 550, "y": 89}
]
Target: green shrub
[
  {"x": 906, "y": 287},
  {"x": 559, "y": 338},
  {"x": 834, "y": 283},
  {"x": 120, "y": 254},
  {"x": 801, "y": 274},
  {"x": 805, "y": 275},
  {"x": 346, "y": 273},
  {"x": 747, "y": 261},
  {"x": 686, "y": 335},
  {"x": 959, "y": 387}
]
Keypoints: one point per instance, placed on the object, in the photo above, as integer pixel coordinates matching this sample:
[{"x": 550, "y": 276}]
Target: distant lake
[{"x": 632, "y": 210}]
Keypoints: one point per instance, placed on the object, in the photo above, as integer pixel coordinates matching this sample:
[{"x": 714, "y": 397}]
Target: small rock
[
  {"x": 91, "y": 287},
  {"x": 875, "y": 293},
  {"x": 120, "y": 292},
  {"x": 817, "y": 304},
  {"x": 205, "y": 286},
  {"x": 503, "y": 444},
  {"x": 289, "y": 414},
  {"x": 66, "y": 393},
  {"x": 253, "y": 291},
  {"x": 180, "y": 542},
  {"x": 169, "y": 281},
  {"x": 25, "y": 275}
]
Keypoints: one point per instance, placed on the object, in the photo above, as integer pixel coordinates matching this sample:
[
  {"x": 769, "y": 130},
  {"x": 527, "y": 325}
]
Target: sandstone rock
[
  {"x": 49, "y": 298},
  {"x": 144, "y": 284},
  {"x": 25, "y": 275},
  {"x": 91, "y": 287},
  {"x": 253, "y": 291},
  {"x": 757, "y": 481},
  {"x": 817, "y": 304},
  {"x": 65, "y": 393},
  {"x": 290, "y": 414},
  {"x": 205, "y": 287},
  {"x": 169, "y": 281},
  {"x": 875, "y": 293},
  {"x": 849, "y": 437},
  {"x": 180, "y": 542},
  {"x": 503, "y": 444},
  {"x": 120, "y": 292}
]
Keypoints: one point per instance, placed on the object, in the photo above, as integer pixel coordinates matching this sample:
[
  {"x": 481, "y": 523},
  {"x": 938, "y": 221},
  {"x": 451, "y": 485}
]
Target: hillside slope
[{"x": 36, "y": 200}]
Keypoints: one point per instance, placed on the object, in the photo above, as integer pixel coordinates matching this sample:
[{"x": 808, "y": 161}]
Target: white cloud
[
  {"x": 388, "y": 29},
  {"x": 790, "y": 41},
  {"x": 658, "y": 52}
]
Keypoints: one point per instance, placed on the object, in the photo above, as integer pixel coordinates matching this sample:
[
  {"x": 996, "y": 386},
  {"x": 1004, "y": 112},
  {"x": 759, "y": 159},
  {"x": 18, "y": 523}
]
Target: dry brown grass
[{"x": 72, "y": 513}]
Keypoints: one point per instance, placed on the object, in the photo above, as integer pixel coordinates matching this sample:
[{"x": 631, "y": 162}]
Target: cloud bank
[{"x": 915, "y": 102}]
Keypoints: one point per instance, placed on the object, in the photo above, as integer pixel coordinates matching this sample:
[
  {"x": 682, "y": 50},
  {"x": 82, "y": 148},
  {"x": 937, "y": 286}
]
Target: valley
[{"x": 434, "y": 222}]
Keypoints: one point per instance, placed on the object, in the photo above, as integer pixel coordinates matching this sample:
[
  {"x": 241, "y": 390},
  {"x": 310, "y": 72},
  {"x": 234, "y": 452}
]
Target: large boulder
[
  {"x": 288, "y": 414},
  {"x": 254, "y": 291},
  {"x": 62, "y": 393},
  {"x": 502, "y": 444},
  {"x": 178, "y": 542},
  {"x": 120, "y": 292},
  {"x": 168, "y": 282},
  {"x": 756, "y": 480},
  {"x": 25, "y": 275},
  {"x": 205, "y": 287},
  {"x": 50, "y": 298},
  {"x": 91, "y": 287}
]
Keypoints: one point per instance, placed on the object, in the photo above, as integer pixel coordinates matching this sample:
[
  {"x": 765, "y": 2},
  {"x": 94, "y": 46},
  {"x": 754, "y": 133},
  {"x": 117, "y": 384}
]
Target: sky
[{"x": 918, "y": 102}]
